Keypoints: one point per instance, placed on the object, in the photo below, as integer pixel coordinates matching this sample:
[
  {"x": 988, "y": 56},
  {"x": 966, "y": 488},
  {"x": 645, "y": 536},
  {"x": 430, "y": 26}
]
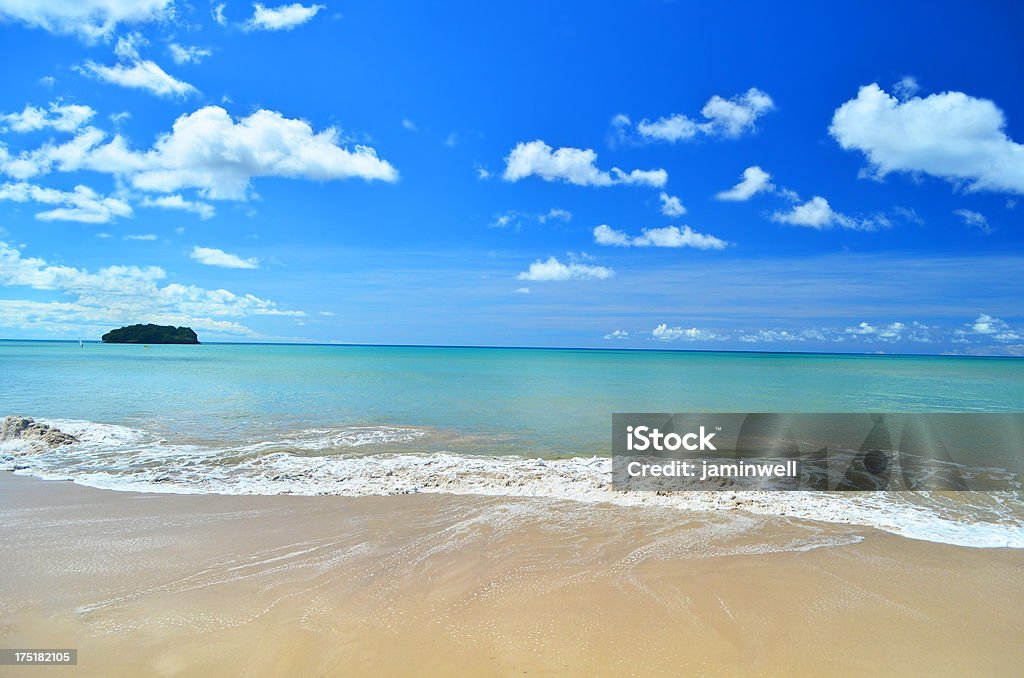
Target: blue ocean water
[
  {"x": 487, "y": 400},
  {"x": 357, "y": 420}
]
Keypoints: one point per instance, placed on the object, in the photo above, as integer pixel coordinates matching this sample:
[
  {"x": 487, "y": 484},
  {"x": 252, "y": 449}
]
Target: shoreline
[
  {"x": 388, "y": 462},
  {"x": 172, "y": 584}
]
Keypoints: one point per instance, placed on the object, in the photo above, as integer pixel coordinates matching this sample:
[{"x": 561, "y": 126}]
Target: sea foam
[{"x": 330, "y": 461}]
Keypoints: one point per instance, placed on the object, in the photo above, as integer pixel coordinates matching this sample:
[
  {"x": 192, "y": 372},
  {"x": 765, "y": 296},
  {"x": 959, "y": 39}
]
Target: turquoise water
[
  {"x": 478, "y": 400},
  {"x": 351, "y": 420}
]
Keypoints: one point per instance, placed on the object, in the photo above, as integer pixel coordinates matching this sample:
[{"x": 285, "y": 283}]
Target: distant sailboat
[{"x": 81, "y": 344}]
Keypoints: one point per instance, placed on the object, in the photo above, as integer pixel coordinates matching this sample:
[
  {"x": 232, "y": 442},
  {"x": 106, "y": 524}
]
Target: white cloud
[
  {"x": 522, "y": 290},
  {"x": 452, "y": 140},
  {"x": 139, "y": 74},
  {"x": 127, "y": 46},
  {"x": 409, "y": 124},
  {"x": 975, "y": 219},
  {"x": 81, "y": 204},
  {"x": 217, "y": 12},
  {"x": 553, "y": 269},
  {"x": 815, "y": 213},
  {"x": 906, "y": 87},
  {"x": 208, "y": 151},
  {"x": 68, "y": 156},
  {"x": 770, "y": 336},
  {"x": 506, "y": 220},
  {"x": 670, "y": 205},
  {"x": 555, "y": 214},
  {"x": 993, "y": 328},
  {"x": 665, "y": 333},
  {"x": 729, "y": 118},
  {"x": 89, "y": 19},
  {"x": 755, "y": 180},
  {"x": 950, "y": 135},
  {"x": 482, "y": 172},
  {"x": 187, "y": 54},
  {"x": 212, "y": 256},
  {"x": 669, "y": 236},
  {"x": 895, "y": 331},
  {"x": 177, "y": 202},
  {"x": 617, "y": 334},
  {"x": 818, "y": 214},
  {"x": 573, "y": 165},
  {"x": 282, "y": 18},
  {"x": 118, "y": 295},
  {"x": 58, "y": 116},
  {"x": 145, "y": 237},
  {"x": 514, "y": 219}
]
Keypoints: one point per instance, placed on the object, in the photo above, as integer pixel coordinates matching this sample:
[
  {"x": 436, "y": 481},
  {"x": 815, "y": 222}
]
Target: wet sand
[{"x": 146, "y": 584}]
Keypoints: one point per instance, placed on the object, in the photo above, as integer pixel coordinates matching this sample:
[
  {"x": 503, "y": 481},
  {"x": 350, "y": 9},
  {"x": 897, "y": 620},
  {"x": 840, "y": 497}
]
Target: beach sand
[{"x": 147, "y": 584}]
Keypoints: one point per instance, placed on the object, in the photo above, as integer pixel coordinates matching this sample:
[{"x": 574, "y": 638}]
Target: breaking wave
[{"x": 389, "y": 460}]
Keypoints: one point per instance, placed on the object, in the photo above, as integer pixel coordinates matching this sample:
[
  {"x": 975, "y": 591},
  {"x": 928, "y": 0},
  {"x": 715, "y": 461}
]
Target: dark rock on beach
[{"x": 33, "y": 432}]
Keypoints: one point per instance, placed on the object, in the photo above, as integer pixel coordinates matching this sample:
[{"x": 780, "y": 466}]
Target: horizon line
[{"x": 537, "y": 348}]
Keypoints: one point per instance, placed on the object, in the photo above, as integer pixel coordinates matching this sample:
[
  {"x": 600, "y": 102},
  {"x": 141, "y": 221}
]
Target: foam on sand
[{"x": 331, "y": 461}]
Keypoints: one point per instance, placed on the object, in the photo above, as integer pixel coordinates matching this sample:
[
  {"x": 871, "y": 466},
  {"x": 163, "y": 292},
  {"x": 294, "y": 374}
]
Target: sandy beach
[{"x": 433, "y": 584}]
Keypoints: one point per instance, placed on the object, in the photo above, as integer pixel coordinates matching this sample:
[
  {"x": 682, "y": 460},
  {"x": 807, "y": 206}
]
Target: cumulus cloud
[
  {"x": 177, "y": 202},
  {"x": 88, "y": 19},
  {"x": 815, "y": 213},
  {"x": 58, "y": 116},
  {"x": 82, "y": 204},
  {"x": 755, "y": 180},
  {"x": 665, "y": 333},
  {"x": 139, "y": 74},
  {"x": 818, "y": 214},
  {"x": 671, "y": 205},
  {"x": 729, "y": 118},
  {"x": 893, "y": 332},
  {"x": 572, "y": 165},
  {"x": 282, "y": 18},
  {"x": 974, "y": 219},
  {"x": 991, "y": 327},
  {"x": 950, "y": 135},
  {"x": 187, "y": 54},
  {"x": 669, "y": 236},
  {"x": 617, "y": 334},
  {"x": 209, "y": 151},
  {"x": 144, "y": 237},
  {"x": 211, "y": 256},
  {"x": 554, "y": 270},
  {"x": 120, "y": 295}
]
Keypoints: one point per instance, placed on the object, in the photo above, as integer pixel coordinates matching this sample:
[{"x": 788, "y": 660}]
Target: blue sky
[{"x": 627, "y": 175}]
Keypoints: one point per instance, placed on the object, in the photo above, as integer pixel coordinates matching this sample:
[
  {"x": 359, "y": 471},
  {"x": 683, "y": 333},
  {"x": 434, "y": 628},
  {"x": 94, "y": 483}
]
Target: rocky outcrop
[
  {"x": 151, "y": 334},
  {"x": 33, "y": 433}
]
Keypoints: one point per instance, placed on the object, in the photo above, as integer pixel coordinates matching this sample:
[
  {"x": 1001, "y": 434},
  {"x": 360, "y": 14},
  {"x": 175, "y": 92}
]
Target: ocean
[{"x": 301, "y": 419}]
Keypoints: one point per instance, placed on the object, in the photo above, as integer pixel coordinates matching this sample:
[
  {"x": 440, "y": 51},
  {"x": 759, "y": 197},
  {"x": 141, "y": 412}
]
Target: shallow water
[{"x": 258, "y": 419}]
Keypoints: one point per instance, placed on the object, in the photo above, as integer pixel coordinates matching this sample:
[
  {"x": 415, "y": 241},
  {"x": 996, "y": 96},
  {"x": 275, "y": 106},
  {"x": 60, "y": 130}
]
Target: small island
[{"x": 151, "y": 334}]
